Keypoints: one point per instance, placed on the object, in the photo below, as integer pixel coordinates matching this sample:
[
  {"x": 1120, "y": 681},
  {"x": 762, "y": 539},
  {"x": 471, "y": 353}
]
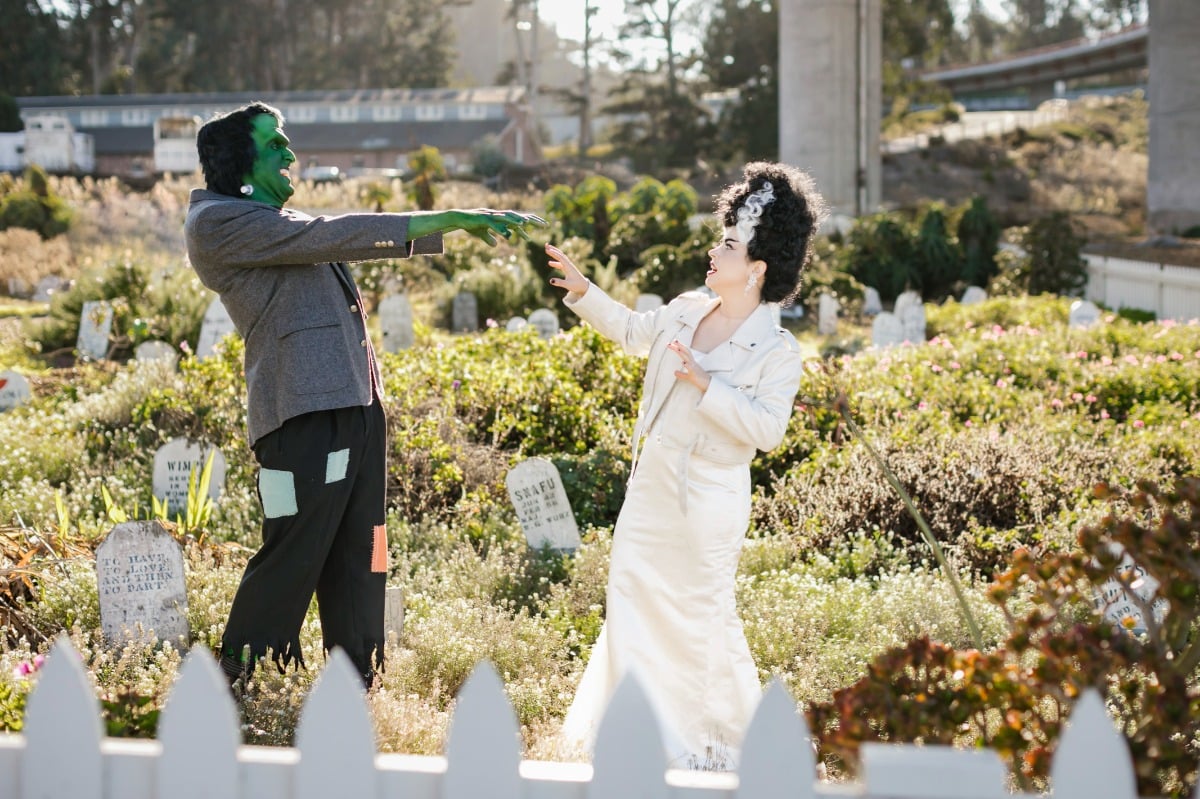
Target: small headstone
[
  {"x": 139, "y": 577},
  {"x": 396, "y": 321},
  {"x": 155, "y": 351},
  {"x": 465, "y": 313},
  {"x": 19, "y": 288},
  {"x": 1084, "y": 313},
  {"x": 972, "y": 295},
  {"x": 1116, "y": 604},
  {"x": 871, "y": 303},
  {"x": 827, "y": 315},
  {"x": 46, "y": 288},
  {"x": 393, "y": 612},
  {"x": 648, "y": 302},
  {"x": 173, "y": 465},
  {"x": 95, "y": 325},
  {"x": 515, "y": 324},
  {"x": 545, "y": 321},
  {"x": 537, "y": 494},
  {"x": 216, "y": 326},
  {"x": 910, "y": 310},
  {"x": 14, "y": 390},
  {"x": 886, "y": 331}
]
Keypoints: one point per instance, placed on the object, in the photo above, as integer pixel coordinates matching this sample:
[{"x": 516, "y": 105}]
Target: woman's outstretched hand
[{"x": 572, "y": 279}]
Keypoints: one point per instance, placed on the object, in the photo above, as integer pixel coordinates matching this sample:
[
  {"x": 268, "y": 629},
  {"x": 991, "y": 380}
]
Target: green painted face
[{"x": 270, "y": 175}]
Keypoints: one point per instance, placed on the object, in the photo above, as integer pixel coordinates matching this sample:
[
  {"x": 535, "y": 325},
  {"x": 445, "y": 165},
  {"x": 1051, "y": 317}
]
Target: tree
[
  {"x": 32, "y": 61},
  {"x": 741, "y": 52},
  {"x": 1037, "y": 23},
  {"x": 664, "y": 121},
  {"x": 10, "y": 115}
]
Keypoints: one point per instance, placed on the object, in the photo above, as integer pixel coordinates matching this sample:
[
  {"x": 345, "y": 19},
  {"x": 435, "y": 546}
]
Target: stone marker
[
  {"x": 545, "y": 321},
  {"x": 393, "y": 613},
  {"x": 910, "y": 310},
  {"x": 173, "y": 465},
  {"x": 793, "y": 311},
  {"x": 537, "y": 493},
  {"x": 515, "y": 324},
  {"x": 886, "y": 330},
  {"x": 827, "y": 315},
  {"x": 396, "y": 322},
  {"x": 216, "y": 326},
  {"x": 1116, "y": 604},
  {"x": 1084, "y": 313},
  {"x": 95, "y": 325},
  {"x": 14, "y": 390},
  {"x": 19, "y": 288},
  {"x": 139, "y": 577},
  {"x": 972, "y": 295},
  {"x": 155, "y": 351},
  {"x": 464, "y": 313},
  {"x": 871, "y": 303},
  {"x": 648, "y": 302},
  {"x": 46, "y": 288}
]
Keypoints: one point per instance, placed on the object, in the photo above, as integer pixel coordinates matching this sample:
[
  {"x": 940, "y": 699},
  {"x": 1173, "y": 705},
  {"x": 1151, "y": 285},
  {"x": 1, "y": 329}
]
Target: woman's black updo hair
[
  {"x": 783, "y": 237},
  {"x": 226, "y": 147}
]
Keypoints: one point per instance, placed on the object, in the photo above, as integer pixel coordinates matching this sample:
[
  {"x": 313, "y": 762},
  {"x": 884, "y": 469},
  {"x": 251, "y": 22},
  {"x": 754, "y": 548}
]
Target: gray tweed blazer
[{"x": 281, "y": 275}]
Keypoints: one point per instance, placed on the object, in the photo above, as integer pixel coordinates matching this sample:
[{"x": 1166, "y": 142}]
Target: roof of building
[{"x": 482, "y": 94}]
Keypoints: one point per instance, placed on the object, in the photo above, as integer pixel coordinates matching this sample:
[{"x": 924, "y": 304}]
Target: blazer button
[
  {"x": 353, "y": 309},
  {"x": 362, "y": 343},
  {"x": 391, "y": 243}
]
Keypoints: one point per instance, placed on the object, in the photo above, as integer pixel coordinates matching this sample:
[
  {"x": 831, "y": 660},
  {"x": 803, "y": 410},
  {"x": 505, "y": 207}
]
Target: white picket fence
[
  {"x": 64, "y": 755},
  {"x": 1171, "y": 291}
]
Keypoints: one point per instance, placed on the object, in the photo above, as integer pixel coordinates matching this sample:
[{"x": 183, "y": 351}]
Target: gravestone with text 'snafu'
[
  {"x": 140, "y": 582},
  {"x": 536, "y": 490}
]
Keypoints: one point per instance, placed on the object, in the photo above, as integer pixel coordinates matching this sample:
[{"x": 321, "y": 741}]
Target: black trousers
[{"x": 322, "y": 483}]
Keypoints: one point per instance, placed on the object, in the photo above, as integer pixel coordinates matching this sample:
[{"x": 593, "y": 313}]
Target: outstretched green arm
[{"x": 482, "y": 223}]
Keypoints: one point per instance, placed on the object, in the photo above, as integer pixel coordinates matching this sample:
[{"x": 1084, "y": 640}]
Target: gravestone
[
  {"x": 216, "y": 326},
  {"x": 886, "y": 330},
  {"x": 393, "y": 613},
  {"x": 515, "y": 324},
  {"x": 648, "y": 302},
  {"x": 95, "y": 325},
  {"x": 140, "y": 581},
  {"x": 464, "y": 313},
  {"x": 793, "y": 311},
  {"x": 396, "y": 322},
  {"x": 14, "y": 390},
  {"x": 1116, "y": 604},
  {"x": 536, "y": 491},
  {"x": 910, "y": 310},
  {"x": 972, "y": 295},
  {"x": 827, "y": 315},
  {"x": 1084, "y": 313},
  {"x": 46, "y": 288},
  {"x": 173, "y": 465},
  {"x": 19, "y": 288},
  {"x": 155, "y": 351},
  {"x": 545, "y": 321},
  {"x": 871, "y": 303}
]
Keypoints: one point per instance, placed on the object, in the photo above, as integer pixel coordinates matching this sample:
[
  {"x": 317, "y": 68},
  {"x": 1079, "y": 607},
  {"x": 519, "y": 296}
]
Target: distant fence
[
  {"x": 63, "y": 754},
  {"x": 1170, "y": 291}
]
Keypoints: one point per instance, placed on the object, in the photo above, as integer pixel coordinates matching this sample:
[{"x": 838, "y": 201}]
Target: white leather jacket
[{"x": 755, "y": 376}]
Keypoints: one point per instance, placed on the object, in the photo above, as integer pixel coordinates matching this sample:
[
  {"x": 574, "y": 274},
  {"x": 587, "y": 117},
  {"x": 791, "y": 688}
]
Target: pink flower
[
  {"x": 1131, "y": 360},
  {"x": 1056, "y": 403},
  {"x": 1076, "y": 397},
  {"x": 921, "y": 405},
  {"x": 1161, "y": 359},
  {"x": 1103, "y": 414},
  {"x": 967, "y": 423},
  {"x": 1176, "y": 356},
  {"x": 955, "y": 365},
  {"x": 1138, "y": 423},
  {"x": 936, "y": 368},
  {"x": 492, "y": 322},
  {"x": 1107, "y": 361},
  {"x": 1001, "y": 383},
  {"x": 1091, "y": 398}
]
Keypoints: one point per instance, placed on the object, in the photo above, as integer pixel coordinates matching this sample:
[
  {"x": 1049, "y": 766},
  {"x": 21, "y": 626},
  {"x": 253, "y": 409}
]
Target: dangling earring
[
  {"x": 751, "y": 282},
  {"x": 246, "y": 189}
]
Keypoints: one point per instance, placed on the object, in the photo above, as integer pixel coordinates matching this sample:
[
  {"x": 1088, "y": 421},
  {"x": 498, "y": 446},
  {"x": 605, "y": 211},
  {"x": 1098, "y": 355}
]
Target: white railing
[
  {"x": 1172, "y": 292},
  {"x": 64, "y": 755}
]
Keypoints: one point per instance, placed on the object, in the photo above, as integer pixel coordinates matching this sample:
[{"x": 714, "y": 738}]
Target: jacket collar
[{"x": 758, "y": 327}]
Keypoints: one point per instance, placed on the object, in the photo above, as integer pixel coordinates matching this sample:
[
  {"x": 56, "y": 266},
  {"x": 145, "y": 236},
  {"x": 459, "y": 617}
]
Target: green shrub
[
  {"x": 35, "y": 207},
  {"x": 1054, "y": 265}
]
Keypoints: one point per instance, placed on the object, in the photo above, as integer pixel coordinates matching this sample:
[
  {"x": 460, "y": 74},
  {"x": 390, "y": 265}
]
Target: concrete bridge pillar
[
  {"x": 1173, "y": 186},
  {"x": 830, "y": 54}
]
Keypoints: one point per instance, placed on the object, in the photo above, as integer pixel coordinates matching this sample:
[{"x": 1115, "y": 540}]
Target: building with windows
[{"x": 354, "y": 130}]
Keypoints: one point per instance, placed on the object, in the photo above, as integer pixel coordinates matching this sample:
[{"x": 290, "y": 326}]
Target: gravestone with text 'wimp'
[
  {"x": 536, "y": 490},
  {"x": 140, "y": 582},
  {"x": 173, "y": 466},
  {"x": 14, "y": 390}
]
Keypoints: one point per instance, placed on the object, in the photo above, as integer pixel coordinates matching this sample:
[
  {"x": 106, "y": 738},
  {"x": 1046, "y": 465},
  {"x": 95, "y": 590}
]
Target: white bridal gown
[{"x": 671, "y": 615}]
